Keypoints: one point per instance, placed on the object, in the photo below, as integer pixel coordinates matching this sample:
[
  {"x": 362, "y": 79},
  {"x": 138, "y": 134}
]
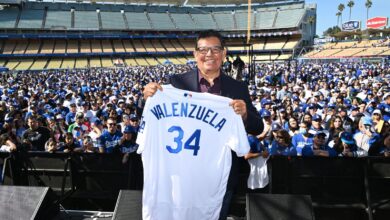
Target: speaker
[
  {"x": 22, "y": 202},
  {"x": 128, "y": 205},
  {"x": 278, "y": 206}
]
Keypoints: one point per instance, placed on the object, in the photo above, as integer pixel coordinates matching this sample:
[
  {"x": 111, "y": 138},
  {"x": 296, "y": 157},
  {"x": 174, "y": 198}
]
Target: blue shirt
[
  {"x": 299, "y": 142},
  {"x": 69, "y": 118},
  {"x": 276, "y": 149},
  {"x": 109, "y": 141},
  {"x": 307, "y": 151}
]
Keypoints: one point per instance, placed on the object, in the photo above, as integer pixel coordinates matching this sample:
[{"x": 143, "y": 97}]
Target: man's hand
[
  {"x": 239, "y": 108},
  {"x": 150, "y": 89}
]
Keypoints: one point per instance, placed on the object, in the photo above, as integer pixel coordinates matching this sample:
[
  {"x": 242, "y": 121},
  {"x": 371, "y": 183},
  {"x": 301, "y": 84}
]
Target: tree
[
  {"x": 331, "y": 31},
  {"x": 368, "y": 6},
  {"x": 341, "y": 8},
  {"x": 338, "y": 14},
  {"x": 350, "y": 5}
]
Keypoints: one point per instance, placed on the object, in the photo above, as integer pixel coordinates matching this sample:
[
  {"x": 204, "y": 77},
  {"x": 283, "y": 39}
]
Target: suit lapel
[{"x": 192, "y": 81}]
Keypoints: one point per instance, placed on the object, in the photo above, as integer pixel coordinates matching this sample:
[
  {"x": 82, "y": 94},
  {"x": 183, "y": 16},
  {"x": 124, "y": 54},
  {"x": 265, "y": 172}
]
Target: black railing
[{"x": 359, "y": 184}]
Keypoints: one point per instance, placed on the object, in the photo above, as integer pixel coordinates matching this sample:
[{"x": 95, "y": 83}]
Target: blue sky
[{"x": 327, "y": 9}]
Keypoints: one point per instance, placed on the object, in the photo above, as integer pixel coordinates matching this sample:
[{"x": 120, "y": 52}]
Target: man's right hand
[{"x": 150, "y": 89}]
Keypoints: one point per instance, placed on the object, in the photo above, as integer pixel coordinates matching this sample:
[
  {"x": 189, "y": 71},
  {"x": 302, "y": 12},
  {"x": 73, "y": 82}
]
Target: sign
[
  {"x": 350, "y": 26},
  {"x": 377, "y": 22},
  {"x": 323, "y": 40}
]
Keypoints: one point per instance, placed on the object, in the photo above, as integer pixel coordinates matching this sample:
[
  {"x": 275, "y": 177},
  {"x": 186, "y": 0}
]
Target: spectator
[
  {"x": 35, "y": 137},
  {"x": 127, "y": 143},
  {"x": 346, "y": 146},
  {"x": 110, "y": 138},
  {"x": 365, "y": 137},
  {"x": 51, "y": 145},
  {"x": 88, "y": 145},
  {"x": 7, "y": 144},
  {"x": 71, "y": 144},
  {"x": 335, "y": 127},
  {"x": 282, "y": 144},
  {"x": 303, "y": 139},
  {"x": 319, "y": 147}
]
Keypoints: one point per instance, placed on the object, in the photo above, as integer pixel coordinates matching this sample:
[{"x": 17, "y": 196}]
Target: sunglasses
[{"x": 111, "y": 124}]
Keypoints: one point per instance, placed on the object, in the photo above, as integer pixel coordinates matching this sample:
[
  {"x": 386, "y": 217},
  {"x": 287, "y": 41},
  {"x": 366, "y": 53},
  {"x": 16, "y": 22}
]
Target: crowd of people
[{"x": 333, "y": 109}]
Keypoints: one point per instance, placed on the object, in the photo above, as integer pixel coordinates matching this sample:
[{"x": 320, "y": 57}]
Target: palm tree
[
  {"x": 350, "y": 5},
  {"x": 341, "y": 8},
  {"x": 338, "y": 14},
  {"x": 368, "y": 6}
]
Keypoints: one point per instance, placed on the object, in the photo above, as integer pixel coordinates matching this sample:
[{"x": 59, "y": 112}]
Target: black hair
[{"x": 210, "y": 33}]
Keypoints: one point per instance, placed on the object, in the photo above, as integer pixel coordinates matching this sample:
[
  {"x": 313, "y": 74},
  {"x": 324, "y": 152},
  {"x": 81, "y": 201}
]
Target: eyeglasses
[
  {"x": 214, "y": 50},
  {"x": 111, "y": 124}
]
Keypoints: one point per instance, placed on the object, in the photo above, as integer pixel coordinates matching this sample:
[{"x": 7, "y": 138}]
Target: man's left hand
[{"x": 239, "y": 108}]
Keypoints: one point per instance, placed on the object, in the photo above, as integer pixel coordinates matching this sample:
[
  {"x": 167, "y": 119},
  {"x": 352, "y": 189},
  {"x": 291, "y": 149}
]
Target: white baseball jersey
[{"x": 186, "y": 140}]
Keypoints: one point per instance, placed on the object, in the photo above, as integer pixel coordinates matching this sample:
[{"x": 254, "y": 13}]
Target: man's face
[
  {"x": 209, "y": 55},
  {"x": 33, "y": 124},
  {"x": 111, "y": 125}
]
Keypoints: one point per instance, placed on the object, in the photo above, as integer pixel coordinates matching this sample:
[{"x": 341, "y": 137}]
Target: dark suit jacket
[
  {"x": 234, "y": 90},
  {"x": 229, "y": 88}
]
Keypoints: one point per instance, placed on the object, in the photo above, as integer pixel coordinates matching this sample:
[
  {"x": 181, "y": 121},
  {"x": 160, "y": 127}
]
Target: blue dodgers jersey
[
  {"x": 109, "y": 141},
  {"x": 186, "y": 139}
]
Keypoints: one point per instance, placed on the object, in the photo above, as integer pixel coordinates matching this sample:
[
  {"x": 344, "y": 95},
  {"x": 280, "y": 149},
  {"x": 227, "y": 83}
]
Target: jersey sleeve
[
  {"x": 145, "y": 125},
  {"x": 238, "y": 140}
]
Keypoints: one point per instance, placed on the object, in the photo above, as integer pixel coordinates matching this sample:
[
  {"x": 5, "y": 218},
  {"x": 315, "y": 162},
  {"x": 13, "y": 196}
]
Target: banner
[
  {"x": 377, "y": 22},
  {"x": 350, "y": 26}
]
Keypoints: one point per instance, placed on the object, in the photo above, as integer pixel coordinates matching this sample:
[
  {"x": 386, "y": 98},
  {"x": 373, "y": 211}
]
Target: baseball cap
[
  {"x": 320, "y": 133},
  {"x": 133, "y": 117},
  {"x": 275, "y": 127},
  {"x": 266, "y": 113},
  {"x": 317, "y": 117},
  {"x": 354, "y": 108},
  {"x": 129, "y": 129},
  {"x": 347, "y": 138},
  {"x": 312, "y": 105},
  {"x": 79, "y": 115},
  {"x": 97, "y": 122},
  {"x": 367, "y": 120},
  {"x": 377, "y": 111}
]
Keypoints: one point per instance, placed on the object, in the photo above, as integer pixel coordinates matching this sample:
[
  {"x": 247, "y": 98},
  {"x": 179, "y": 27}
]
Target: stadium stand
[
  {"x": 224, "y": 20},
  {"x": 95, "y": 62},
  {"x": 183, "y": 21},
  {"x": 73, "y": 46},
  {"x": 81, "y": 20},
  {"x": 138, "y": 21},
  {"x": 96, "y": 46},
  {"x": 8, "y": 17},
  {"x": 107, "y": 46},
  {"x": 39, "y": 64},
  {"x": 107, "y": 62},
  {"x": 86, "y": 20},
  {"x": 118, "y": 46},
  {"x": 128, "y": 46},
  {"x": 54, "y": 63},
  {"x": 31, "y": 19},
  {"x": 112, "y": 20},
  {"x": 68, "y": 63},
  {"x": 364, "y": 48},
  {"x": 161, "y": 21}
]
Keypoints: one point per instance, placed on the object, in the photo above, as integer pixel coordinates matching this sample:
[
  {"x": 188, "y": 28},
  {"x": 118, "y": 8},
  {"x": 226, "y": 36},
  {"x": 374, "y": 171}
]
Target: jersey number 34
[{"x": 188, "y": 144}]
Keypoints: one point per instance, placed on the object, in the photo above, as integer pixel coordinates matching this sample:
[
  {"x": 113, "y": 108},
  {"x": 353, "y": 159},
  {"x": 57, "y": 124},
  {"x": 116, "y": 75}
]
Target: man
[
  {"x": 208, "y": 77},
  {"x": 110, "y": 138},
  {"x": 319, "y": 147},
  {"x": 35, "y": 137}
]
